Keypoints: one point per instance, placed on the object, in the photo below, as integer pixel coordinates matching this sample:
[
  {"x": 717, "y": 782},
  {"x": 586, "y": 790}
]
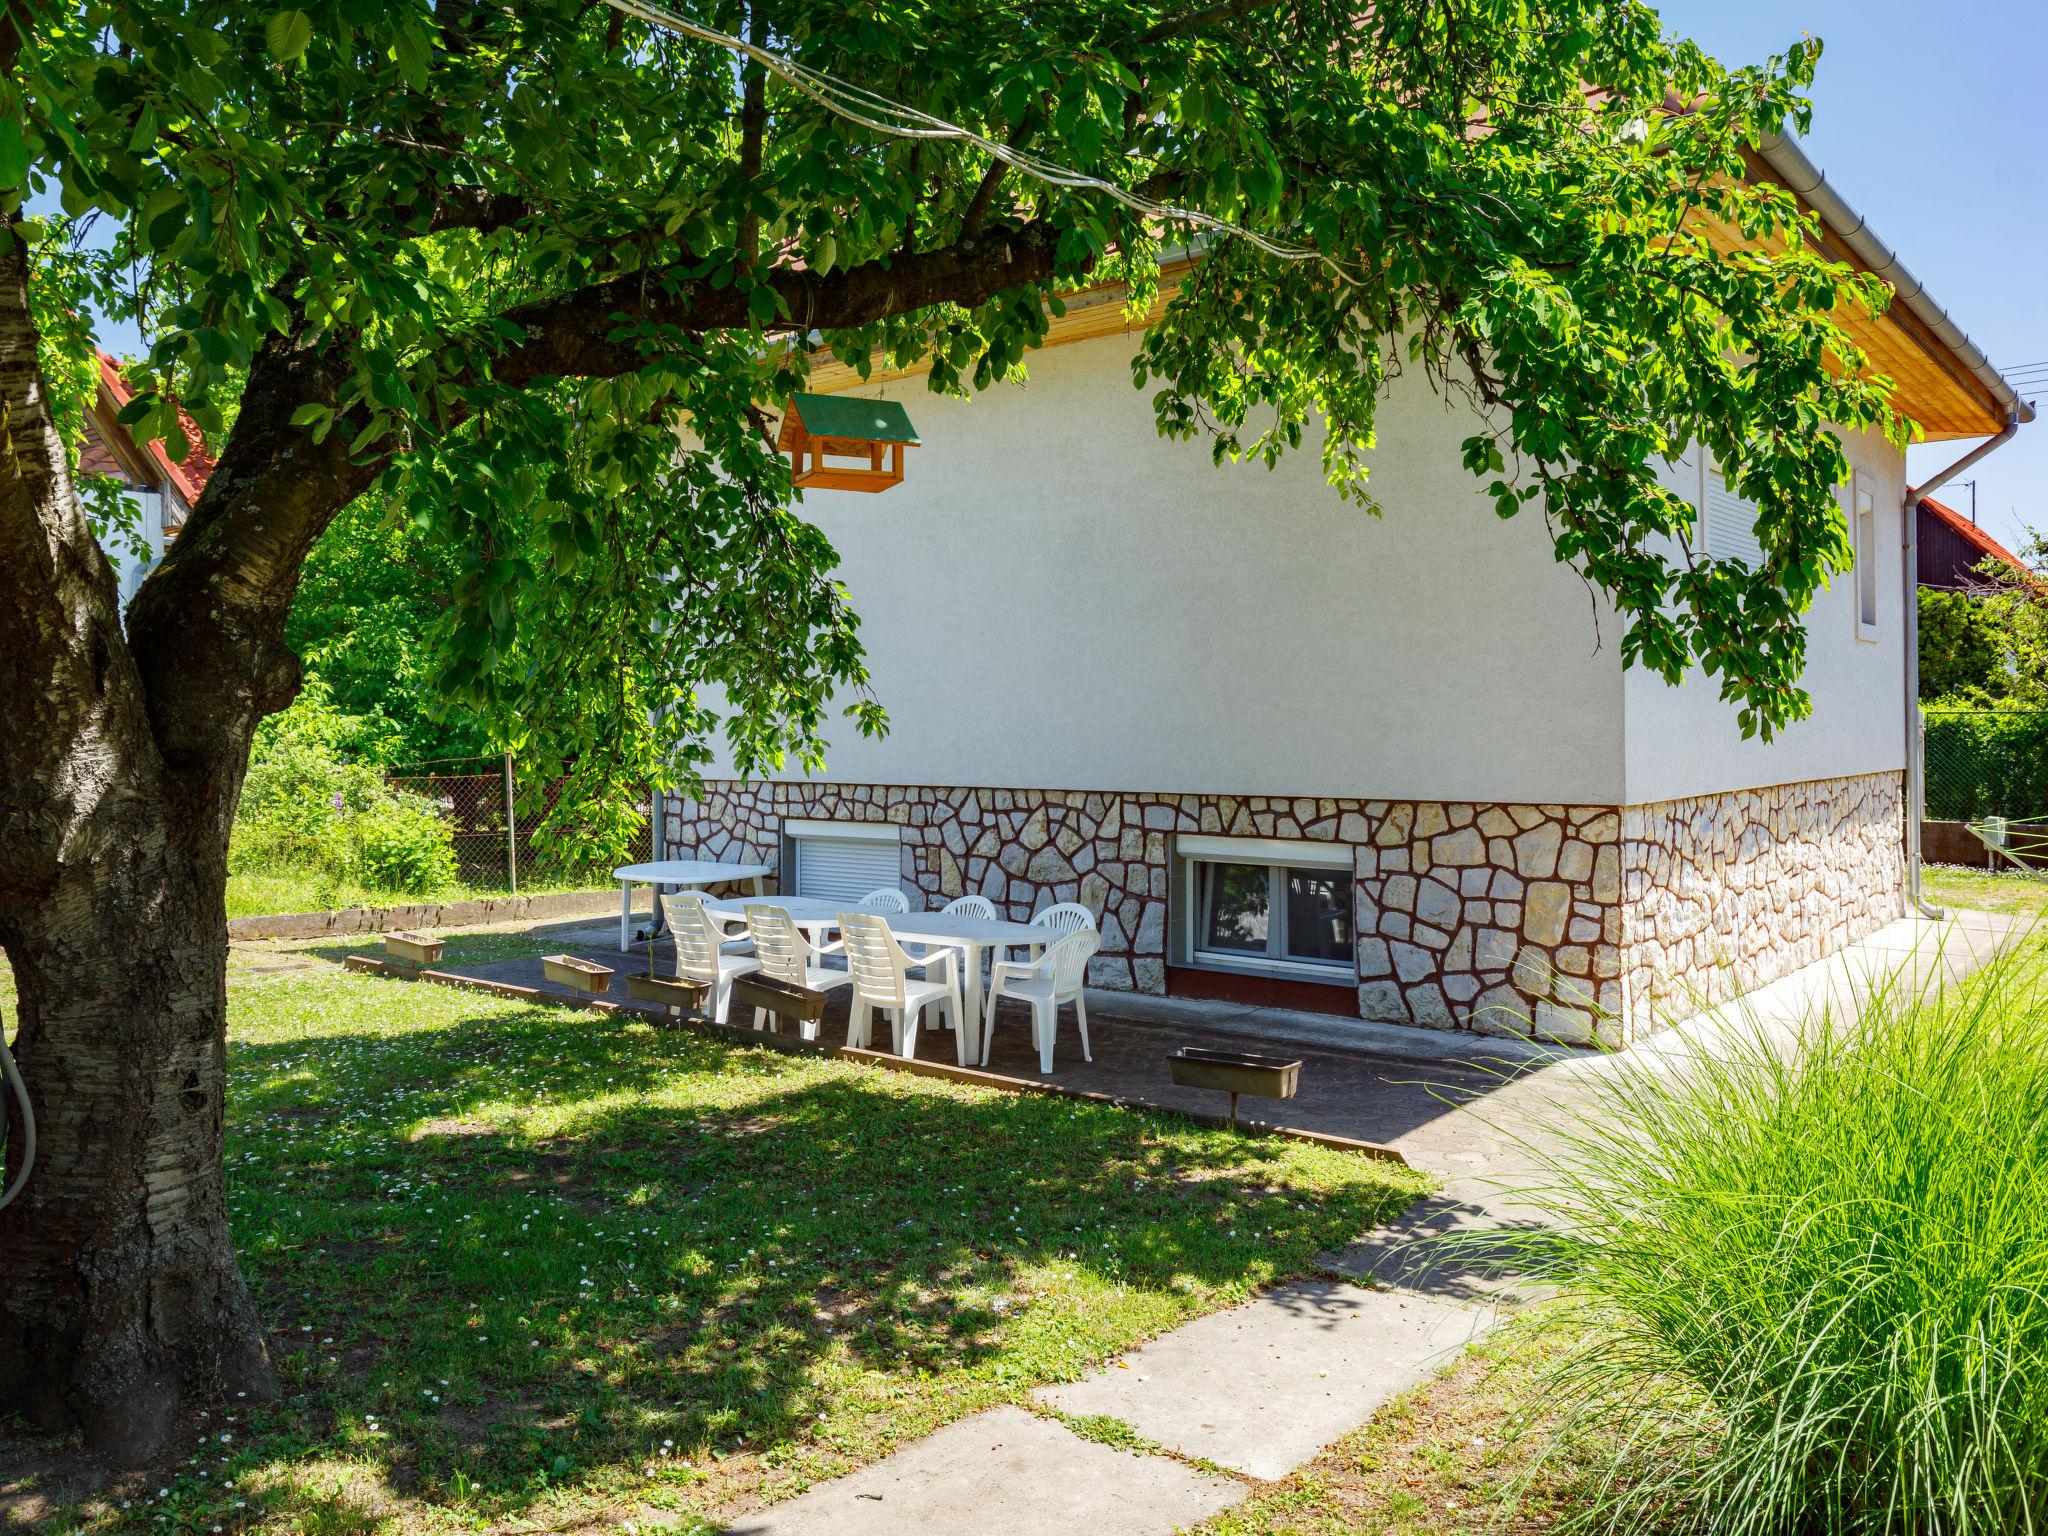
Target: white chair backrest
[
  {"x": 1068, "y": 961},
  {"x": 697, "y": 937},
  {"x": 885, "y": 899},
  {"x": 971, "y": 906},
  {"x": 873, "y": 958},
  {"x": 777, "y": 943},
  {"x": 1064, "y": 917}
]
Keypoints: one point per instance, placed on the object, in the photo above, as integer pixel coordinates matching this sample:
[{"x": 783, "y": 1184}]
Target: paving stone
[
  {"x": 1263, "y": 1387},
  {"x": 1003, "y": 1473}
]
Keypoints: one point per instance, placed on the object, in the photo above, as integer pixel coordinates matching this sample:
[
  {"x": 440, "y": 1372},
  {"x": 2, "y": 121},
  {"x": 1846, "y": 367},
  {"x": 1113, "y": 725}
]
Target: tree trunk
[
  {"x": 122, "y": 1295},
  {"x": 119, "y": 1293}
]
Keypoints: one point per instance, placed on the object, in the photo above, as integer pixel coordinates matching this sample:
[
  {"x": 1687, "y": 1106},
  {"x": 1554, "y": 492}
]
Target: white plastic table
[
  {"x": 695, "y": 873},
  {"x": 954, "y": 930}
]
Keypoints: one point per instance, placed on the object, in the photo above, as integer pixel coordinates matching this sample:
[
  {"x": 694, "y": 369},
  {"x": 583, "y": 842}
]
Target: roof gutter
[{"x": 1790, "y": 164}]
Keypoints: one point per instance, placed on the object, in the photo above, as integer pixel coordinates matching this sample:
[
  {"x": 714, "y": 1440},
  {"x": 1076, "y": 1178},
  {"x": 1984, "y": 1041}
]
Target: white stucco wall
[
  {"x": 1684, "y": 741},
  {"x": 1057, "y": 598}
]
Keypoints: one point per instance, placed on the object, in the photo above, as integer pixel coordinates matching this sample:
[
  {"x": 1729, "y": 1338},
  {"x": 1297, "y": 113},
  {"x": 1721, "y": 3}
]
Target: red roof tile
[
  {"x": 1975, "y": 536},
  {"x": 189, "y": 477}
]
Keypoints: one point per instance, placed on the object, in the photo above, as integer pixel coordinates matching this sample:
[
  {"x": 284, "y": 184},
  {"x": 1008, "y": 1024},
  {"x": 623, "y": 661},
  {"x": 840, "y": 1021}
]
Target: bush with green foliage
[
  {"x": 1820, "y": 1271},
  {"x": 309, "y": 805},
  {"x": 1986, "y": 762}
]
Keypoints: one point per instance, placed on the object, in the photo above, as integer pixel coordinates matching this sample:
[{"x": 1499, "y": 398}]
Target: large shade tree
[{"x": 483, "y": 256}]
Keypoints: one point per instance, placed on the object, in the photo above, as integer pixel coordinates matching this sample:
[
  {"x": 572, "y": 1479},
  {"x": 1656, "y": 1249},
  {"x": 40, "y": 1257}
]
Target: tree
[
  {"x": 481, "y": 258},
  {"x": 373, "y": 597},
  {"x": 1986, "y": 646}
]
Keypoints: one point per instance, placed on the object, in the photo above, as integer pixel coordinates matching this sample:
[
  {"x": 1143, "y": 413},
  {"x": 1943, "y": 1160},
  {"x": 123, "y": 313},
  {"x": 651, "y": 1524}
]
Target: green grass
[
  {"x": 528, "y": 1266},
  {"x": 1826, "y": 1262},
  {"x": 1948, "y": 885},
  {"x": 271, "y": 892}
]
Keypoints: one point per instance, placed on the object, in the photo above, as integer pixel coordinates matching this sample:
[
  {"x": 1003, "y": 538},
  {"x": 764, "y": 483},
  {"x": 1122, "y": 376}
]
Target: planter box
[
  {"x": 582, "y": 975},
  {"x": 784, "y": 999},
  {"x": 669, "y": 991},
  {"x": 413, "y": 948},
  {"x": 1235, "y": 1072}
]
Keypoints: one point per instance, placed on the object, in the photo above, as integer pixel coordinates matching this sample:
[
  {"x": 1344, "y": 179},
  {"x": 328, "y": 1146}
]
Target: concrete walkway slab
[
  {"x": 1263, "y": 1387},
  {"x": 1003, "y": 1473}
]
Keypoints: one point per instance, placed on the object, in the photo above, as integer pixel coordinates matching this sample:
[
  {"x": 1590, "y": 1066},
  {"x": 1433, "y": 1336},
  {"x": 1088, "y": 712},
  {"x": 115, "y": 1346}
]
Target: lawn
[
  {"x": 1949, "y": 885},
  {"x": 528, "y": 1267},
  {"x": 269, "y": 892}
]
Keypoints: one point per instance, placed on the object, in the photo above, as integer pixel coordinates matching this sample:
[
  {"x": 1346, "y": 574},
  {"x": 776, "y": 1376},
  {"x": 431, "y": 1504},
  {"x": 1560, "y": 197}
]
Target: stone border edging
[
  {"x": 733, "y": 1034},
  {"x": 452, "y": 914}
]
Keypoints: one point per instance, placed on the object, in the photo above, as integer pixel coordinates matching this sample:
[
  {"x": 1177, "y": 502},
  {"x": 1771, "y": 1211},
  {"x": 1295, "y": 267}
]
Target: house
[
  {"x": 164, "y": 492},
  {"x": 1953, "y": 549},
  {"x": 1383, "y": 768}
]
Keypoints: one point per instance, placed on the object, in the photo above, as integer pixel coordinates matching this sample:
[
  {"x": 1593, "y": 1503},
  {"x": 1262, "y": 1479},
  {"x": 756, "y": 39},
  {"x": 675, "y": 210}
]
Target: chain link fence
[
  {"x": 1986, "y": 762},
  {"x": 492, "y": 818}
]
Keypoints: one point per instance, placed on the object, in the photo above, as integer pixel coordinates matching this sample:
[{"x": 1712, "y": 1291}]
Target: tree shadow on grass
[{"x": 527, "y": 1252}]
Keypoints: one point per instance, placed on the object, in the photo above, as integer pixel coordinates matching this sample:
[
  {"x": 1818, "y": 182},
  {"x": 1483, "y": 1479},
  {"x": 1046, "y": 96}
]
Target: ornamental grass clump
[{"x": 1819, "y": 1270}]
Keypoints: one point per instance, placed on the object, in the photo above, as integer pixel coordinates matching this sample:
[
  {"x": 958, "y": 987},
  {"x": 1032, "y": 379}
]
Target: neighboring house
[
  {"x": 1290, "y": 752},
  {"x": 1953, "y": 548},
  {"x": 164, "y": 492}
]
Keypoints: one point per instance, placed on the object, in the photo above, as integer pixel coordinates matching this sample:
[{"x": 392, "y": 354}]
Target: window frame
[
  {"x": 1863, "y": 542},
  {"x": 1276, "y": 857}
]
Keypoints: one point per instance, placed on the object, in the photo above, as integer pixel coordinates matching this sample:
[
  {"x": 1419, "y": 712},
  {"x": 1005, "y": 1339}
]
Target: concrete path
[
  {"x": 1004, "y": 1473},
  {"x": 1263, "y": 1387}
]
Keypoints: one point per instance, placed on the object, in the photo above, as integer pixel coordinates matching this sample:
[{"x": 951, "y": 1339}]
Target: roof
[
  {"x": 1943, "y": 380},
  {"x": 190, "y": 477},
  {"x": 875, "y": 421},
  {"x": 1973, "y": 535}
]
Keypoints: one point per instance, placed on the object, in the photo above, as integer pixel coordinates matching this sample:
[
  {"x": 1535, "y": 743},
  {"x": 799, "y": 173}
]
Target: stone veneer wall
[
  {"x": 1726, "y": 892},
  {"x": 1572, "y": 922}
]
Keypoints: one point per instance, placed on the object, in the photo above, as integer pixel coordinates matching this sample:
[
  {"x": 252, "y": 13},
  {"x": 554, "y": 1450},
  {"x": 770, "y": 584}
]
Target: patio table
[
  {"x": 953, "y": 930},
  {"x": 693, "y": 873}
]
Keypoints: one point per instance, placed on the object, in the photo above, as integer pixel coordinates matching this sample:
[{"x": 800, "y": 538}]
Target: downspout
[{"x": 1909, "y": 546}]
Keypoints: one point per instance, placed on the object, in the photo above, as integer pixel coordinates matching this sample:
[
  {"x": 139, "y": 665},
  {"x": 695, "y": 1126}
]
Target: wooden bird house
[{"x": 816, "y": 429}]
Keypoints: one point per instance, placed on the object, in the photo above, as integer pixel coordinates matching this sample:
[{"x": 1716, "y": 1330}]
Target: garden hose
[{"x": 12, "y": 1073}]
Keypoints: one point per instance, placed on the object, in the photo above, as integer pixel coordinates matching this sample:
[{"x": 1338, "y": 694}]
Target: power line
[{"x": 881, "y": 115}]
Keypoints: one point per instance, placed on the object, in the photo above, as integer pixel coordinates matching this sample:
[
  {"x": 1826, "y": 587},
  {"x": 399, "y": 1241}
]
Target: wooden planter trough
[
  {"x": 671, "y": 992},
  {"x": 782, "y": 999},
  {"x": 413, "y": 948},
  {"x": 581, "y": 975},
  {"x": 1235, "y": 1072}
]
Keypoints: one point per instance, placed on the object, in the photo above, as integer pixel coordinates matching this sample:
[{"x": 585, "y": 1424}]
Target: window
[
  {"x": 1727, "y": 518},
  {"x": 841, "y": 860},
  {"x": 1863, "y": 535},
  {"x": 1263, "y": 905}
]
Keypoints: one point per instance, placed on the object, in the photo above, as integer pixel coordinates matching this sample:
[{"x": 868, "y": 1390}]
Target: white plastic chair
[
  {"x": 701, "y": 955},
  {"x": 884, "y": 898},
  {"x": 1055, "y": 977},
  {"x": 1065, "y": 917},
  {"x": 785, "y": 954},
  {"x": 881, "y": 969},
  {"x": 971, "y": 906}
]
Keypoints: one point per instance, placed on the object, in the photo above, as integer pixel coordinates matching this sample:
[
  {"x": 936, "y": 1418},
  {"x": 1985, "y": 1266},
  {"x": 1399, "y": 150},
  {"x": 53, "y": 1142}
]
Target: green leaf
[
  {"x": 15, "y": 154},
  {"x": 287, "y": 35}
]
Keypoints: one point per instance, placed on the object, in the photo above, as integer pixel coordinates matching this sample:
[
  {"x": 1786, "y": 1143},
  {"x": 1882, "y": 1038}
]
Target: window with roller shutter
[{"x": 843, "y": 861}]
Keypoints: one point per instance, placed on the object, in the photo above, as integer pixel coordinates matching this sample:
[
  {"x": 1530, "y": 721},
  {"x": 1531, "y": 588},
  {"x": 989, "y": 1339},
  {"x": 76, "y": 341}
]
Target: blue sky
[{"x": 1924, "y": 119}]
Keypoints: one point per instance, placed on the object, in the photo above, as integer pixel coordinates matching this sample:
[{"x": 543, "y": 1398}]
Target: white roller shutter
[
  {"x": 838, "y": 867},
  {"x": 1731, "y": 522}
]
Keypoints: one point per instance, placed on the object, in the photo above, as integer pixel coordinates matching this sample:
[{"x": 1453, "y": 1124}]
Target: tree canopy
[{"x": 488, "y": 254}]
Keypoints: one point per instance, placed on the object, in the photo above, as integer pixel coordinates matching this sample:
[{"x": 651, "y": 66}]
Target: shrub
[
  {"x": 1821, "y": 1270},
  {"x": 307, "y": 806}
]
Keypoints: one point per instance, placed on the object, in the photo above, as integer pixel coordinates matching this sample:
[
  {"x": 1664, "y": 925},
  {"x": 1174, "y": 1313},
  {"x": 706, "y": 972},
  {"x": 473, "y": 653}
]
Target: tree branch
[
  {"x": 570, "y": 336},
  {"x": 1195, "y": 21}
]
